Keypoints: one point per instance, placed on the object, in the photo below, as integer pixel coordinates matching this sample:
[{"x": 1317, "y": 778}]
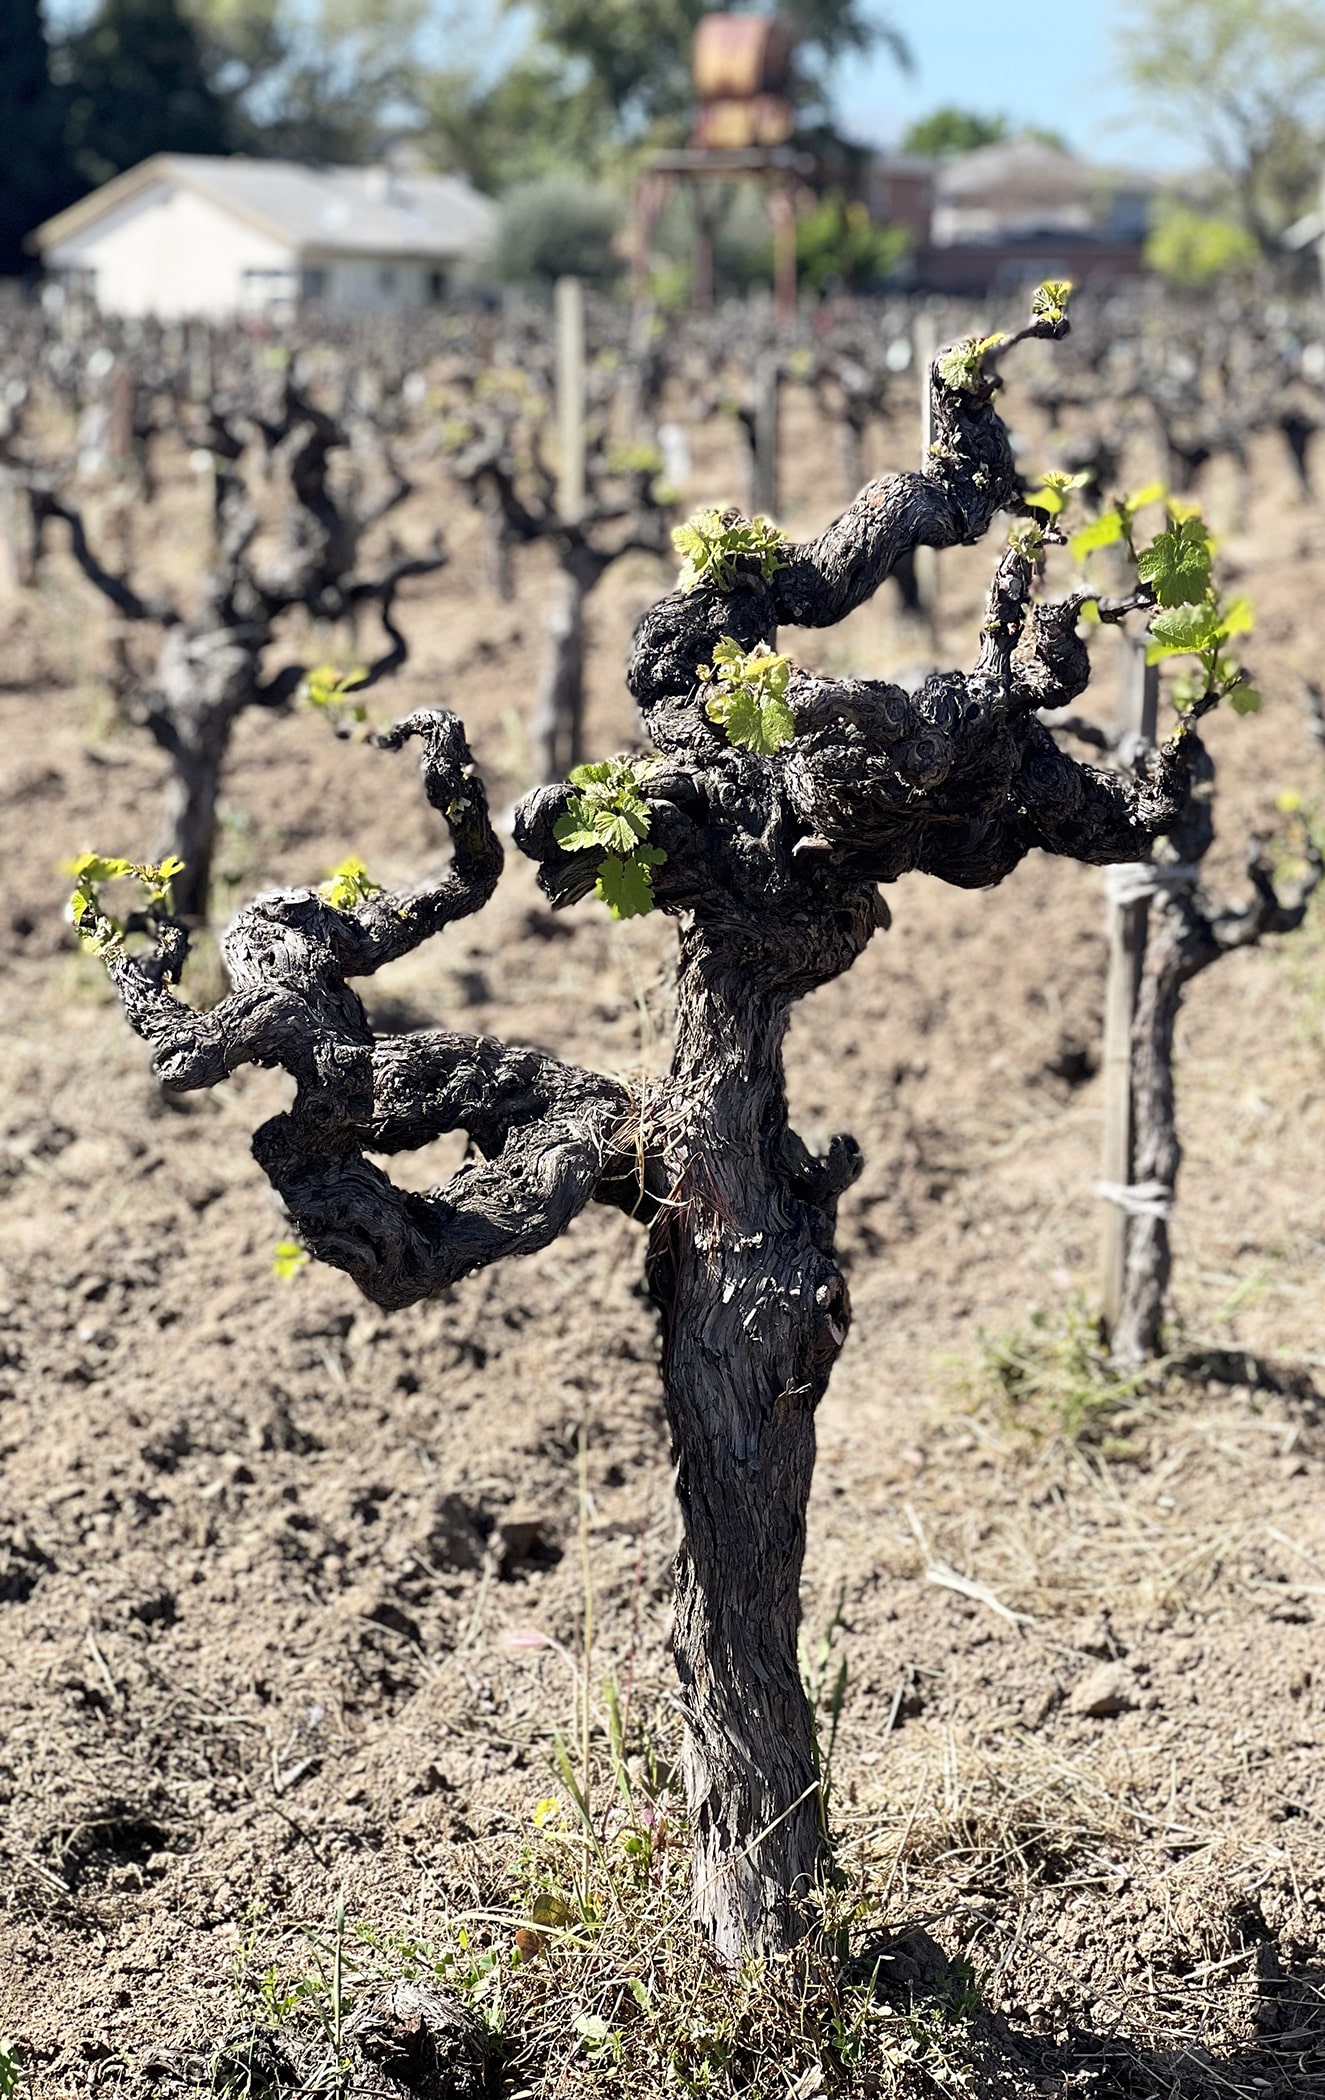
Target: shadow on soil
[{"x": 1284, "y": 2059}]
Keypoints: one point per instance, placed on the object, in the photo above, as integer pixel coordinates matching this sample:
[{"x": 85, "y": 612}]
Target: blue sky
[{"x": 1048, "y": 62}]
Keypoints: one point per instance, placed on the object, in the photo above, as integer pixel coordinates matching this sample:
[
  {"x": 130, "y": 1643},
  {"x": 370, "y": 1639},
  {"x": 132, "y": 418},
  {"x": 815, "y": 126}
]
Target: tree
[
  {"x": 776, "y": 804},
  {"x": 634, "y": 55},
  {"x": 531, "y": 121},
  {"x": 138, "y": 85},
  {"x": 839, "y": 248},
  {"x": 1191, "y": 250},
  {"x": 557, "y": 227},
  {"x": 950, "y": 131},
  {"x": 1247, "y": 79},
  {"x": 34, "y": 176},
  {"x": 328, "y": 82}
]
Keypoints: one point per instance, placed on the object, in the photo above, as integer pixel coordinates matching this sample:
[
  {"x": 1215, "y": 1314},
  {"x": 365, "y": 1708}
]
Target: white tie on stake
[
  {"x": 1138, "y": 1199},
  {"x": 1137, "y": 881}
]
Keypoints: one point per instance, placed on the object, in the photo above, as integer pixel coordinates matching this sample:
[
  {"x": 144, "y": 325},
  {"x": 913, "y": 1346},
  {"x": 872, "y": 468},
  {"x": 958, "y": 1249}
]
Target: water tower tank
[{"x": 737, "y": 57}]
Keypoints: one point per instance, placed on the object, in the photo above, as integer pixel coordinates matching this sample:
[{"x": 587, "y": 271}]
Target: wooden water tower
[
  {"x": 741, "y": 66},
  {"x": 743, "y": 130}
]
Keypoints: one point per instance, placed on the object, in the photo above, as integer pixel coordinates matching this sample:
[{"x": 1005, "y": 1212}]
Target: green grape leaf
[
  {"x": 99, "y": 933},
  {"x": 328, "y": 688},
  {"x": 1027, "y": 537},
  {"x": 1176, "y": 565},
  {"x": 747, "y": 696},
  {"x": 609, "y": 816},
  {"x": 1054, "y": 491},
  {"x": 759, "y": 725},
  {"x": 1153, "y": 492},
  {"x": 573, "y": 834},
  {"x": 625, "y": 886},
  {"x": 1244, "y": 700},
  {"x": 1104, "y": 531},
  {"x": 1238, "y": 618},
  {"x": 1184, "y": 630}
]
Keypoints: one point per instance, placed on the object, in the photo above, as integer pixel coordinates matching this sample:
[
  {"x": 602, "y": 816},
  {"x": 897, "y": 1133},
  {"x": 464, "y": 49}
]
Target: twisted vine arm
[{"x": 554, "y": 1136}]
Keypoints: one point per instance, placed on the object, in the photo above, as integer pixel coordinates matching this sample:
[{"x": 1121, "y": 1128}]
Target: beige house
[{"x": 191, "y": 234}]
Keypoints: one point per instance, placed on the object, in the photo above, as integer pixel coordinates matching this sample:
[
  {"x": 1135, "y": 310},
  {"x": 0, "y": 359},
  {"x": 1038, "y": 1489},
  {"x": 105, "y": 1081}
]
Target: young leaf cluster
[
  {"x": 609, "y": 814},
  {"x": 1055, "y": 491},
  {"x": 961, "y": 367},
  {"x": 98, "y": 932},
  {"x": 747, "y": 696},
  {"x": 1049, "y": 301},
  {"x": 1116, "y": 526},
  {"x": 288, "y": 1258},
  {"x": 328, "y": 689},
  {"x": 713, "y": 541},
  {"x": 1192, "y": 619},
  {"x": 347, "y": 885}
]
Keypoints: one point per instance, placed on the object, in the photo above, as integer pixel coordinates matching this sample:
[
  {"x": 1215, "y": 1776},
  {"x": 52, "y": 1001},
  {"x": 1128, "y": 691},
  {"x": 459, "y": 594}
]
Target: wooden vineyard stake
[
  {"x": 765, "y": 492},
  {"x": 569, "y": 304},
  {"x": 1138, "y": 716},
  {"x": 925, "y": 343}
]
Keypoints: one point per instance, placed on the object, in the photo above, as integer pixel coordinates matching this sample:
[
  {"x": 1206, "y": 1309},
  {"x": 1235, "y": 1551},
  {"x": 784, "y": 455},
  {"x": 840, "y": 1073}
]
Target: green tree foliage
[
  {"x": 320, "y": 82},
  {"x": 556, "y": 227},
  {"x": 34, "y": 177},
  {"x": 950, "y": 131},
  {"x": 635, "y": 54},
  {"x": 529, "y": 121},
  {"x": 599, "y": 75},
  {"x": 1245, "y": 78},
  {"x": 137, "y": 84},
  {"x": 1192, "y": 250},
  {"x": 838, "y": 245}
]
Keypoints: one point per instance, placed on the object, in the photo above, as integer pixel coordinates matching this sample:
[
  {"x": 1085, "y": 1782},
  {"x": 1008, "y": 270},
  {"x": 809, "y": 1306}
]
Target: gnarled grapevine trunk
[
  {"x": 754, "y": 1314},
  {"x": 766, "y": 847}
]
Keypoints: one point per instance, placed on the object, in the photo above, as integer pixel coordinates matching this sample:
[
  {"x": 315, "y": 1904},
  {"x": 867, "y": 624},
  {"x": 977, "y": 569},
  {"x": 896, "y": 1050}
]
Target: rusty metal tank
[
  {"x": 742, "y": 74},
  {"x": 736, "y": 57}
]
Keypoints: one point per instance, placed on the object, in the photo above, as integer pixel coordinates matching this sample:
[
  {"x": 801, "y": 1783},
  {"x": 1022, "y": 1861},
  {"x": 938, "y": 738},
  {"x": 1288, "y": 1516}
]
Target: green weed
[{"x": 1055, "y": 1378}]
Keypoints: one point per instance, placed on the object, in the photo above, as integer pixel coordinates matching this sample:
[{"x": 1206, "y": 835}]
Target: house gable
[{"x": 164, "y": 248}]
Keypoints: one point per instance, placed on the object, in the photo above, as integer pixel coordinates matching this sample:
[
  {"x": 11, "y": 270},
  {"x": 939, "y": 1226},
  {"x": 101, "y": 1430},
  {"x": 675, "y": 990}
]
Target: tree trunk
[
  {"x": 557, "y": 730},
  {"x": 754, "y": 1314}
]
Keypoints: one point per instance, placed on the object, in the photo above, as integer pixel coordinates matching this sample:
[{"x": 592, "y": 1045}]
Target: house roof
[
  {"x": 1019, "y": 173},
  {"x": 340, "y": 211}
]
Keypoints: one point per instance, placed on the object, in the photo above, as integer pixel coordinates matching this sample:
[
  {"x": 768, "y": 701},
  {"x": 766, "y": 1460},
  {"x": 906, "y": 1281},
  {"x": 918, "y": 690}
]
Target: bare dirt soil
[{"x": 259, "y": 1544}]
